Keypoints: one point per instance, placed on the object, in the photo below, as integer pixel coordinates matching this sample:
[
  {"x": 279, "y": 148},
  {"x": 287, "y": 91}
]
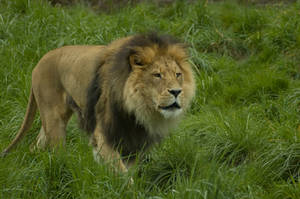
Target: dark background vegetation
[{"x": 109, "y": 5}]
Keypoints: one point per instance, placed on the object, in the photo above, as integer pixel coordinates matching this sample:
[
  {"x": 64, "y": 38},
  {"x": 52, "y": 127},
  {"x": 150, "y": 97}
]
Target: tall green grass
[{"x": 240, "y": 138}]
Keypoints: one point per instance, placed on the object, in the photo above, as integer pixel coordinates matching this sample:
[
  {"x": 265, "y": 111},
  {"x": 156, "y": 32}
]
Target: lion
[{"x": 127, "y": 95}]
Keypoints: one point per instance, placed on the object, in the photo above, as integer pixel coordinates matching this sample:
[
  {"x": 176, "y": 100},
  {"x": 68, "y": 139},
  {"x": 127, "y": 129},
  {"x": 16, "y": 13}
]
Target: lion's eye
[
  {"x": 138, "y": 62},
  {"x": 178, "y": 75},
  {"x": 158, "y": 75}
]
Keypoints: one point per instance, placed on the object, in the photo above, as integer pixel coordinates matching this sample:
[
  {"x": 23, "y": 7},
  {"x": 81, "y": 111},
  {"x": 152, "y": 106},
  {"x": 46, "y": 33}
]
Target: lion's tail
[{"x": 27, "y": 122}]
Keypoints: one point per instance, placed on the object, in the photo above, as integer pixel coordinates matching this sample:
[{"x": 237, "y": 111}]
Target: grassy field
[{"x": 240, "y": 140}]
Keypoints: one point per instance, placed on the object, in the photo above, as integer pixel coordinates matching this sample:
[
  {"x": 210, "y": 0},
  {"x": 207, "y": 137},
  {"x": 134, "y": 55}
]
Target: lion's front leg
[{"x": 103, "y": 150}]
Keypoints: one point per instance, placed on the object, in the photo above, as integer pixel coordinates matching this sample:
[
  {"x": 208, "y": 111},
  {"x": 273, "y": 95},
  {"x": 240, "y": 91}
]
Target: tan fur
[{"x": 68, "y": 72}]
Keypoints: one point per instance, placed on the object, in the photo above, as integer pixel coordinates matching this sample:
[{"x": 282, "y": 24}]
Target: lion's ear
[
  {"x": 136, "y": 61},
  {"x": 141, "y": 56},
  {"x": 179, "y": 52}
]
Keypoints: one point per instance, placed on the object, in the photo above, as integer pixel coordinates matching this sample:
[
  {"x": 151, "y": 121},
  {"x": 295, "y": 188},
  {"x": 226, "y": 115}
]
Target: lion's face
[
  {"x": 164, "y": 80},
  {"x": 159, "y": 84}
]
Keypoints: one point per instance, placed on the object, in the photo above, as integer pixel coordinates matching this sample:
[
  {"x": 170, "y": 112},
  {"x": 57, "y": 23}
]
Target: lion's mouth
[{"x": 175, "y": 105}]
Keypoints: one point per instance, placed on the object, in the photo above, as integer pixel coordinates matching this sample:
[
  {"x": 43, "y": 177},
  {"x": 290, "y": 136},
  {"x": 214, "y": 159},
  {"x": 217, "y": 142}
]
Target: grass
[{"x": 240, "y": 138}]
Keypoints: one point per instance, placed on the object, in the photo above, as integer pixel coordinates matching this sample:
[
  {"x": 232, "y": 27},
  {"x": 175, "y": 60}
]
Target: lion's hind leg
[
  {"x": 41, "y": 141},
  {"x": 55, "y": 114}
]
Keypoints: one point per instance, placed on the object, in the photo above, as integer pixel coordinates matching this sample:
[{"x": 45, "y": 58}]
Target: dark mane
[
  {"x": 117, "y": 75},
  {"x": 143, "y": 40},
  {"x": 152, "y": 38},
  {"x": 93, "y": 94}
]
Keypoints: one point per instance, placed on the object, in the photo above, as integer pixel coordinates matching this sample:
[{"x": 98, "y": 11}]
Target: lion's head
[{"x": 161, "y": 84}]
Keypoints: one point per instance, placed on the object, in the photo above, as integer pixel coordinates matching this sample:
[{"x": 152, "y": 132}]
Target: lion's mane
[{"x": 106, "y": 105}]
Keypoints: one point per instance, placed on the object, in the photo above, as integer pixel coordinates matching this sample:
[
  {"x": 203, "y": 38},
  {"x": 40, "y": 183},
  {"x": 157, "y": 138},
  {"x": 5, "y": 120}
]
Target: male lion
[{"x": 127, "y": 94}]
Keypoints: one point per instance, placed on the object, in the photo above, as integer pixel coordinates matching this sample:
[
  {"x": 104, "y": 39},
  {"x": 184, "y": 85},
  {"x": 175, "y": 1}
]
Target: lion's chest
[{"x": 126, "y": 134}]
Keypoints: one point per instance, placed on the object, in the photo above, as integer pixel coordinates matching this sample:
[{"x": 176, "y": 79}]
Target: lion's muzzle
[
  {"x": 174, "y": 106},
  {"x": 170, "y": 105}
]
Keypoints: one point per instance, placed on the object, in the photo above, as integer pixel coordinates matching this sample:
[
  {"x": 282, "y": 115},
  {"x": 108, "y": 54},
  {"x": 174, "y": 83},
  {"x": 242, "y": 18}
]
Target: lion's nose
[{"x": 175, "y": 92}]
